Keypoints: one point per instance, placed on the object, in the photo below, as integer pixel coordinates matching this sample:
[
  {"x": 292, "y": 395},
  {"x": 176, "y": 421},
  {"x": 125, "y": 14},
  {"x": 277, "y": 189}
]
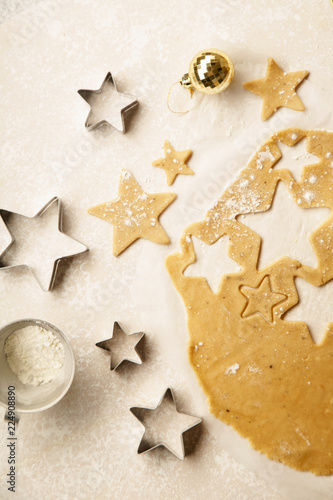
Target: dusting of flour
[{"x": 34, "y": 354}]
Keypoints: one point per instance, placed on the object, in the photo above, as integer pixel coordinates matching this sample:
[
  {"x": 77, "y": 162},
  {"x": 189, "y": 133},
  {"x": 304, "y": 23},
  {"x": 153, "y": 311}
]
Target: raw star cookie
[
  {"x": 134, "y": 214},
  {"x": 261, "y": 300},
  {"x": 264, "y": 375},
  {"x": 277, "y": 89},
  {"x": 174, "y": 162}
]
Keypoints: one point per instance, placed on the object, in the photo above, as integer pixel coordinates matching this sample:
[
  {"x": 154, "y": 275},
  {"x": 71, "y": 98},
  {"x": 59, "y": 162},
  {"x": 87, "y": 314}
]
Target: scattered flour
[
  {"x": 263, "y": 156},
  {"x": 309, "y": 196},
  {"x": 232, "y": 369},
  {"x": 34, "y": 354}
]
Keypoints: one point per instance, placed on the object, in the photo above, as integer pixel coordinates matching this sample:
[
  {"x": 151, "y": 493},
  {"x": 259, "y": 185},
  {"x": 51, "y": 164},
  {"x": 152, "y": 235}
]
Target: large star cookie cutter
[
  {"x": 153, "y": 439},
  {"x": 9, "y": 241},
  {"x": 92, "y": 97}
]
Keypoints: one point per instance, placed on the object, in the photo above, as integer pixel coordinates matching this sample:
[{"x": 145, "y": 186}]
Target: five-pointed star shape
[
  {"x": 261, "y": 300},
  {"x": 38, "y": 243},
  {"x": 285, "y": 228},
  {"x": 295, "y": 158},
  {"x": 212, "y": 261},
  {"x": 174, "y": 162},
  {"x": 277, "y": 89},
  {"x": 164, "y": 425},
  {"x": 314, "y": 307},
  {"x": 107, "y": 105},
  {"x": 134, "y": 214},
  {"x": 123, "y": 347}
]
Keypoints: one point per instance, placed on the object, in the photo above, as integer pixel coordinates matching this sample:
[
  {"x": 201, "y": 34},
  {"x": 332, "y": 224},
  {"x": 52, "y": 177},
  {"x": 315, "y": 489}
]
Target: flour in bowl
[{"x": 34, "y": 354}]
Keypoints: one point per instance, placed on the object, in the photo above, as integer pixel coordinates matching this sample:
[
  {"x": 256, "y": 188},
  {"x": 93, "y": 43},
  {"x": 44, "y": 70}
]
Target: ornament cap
[{"x": 186, "y": 80}]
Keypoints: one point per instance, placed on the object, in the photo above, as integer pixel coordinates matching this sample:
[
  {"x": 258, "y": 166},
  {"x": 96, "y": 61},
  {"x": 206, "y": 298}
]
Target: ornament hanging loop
[{"x": 168, "y": 100}]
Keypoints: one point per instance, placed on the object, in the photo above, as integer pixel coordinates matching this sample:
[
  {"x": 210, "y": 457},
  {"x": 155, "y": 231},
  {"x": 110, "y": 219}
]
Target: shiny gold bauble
[{"x": 210, "y": 72}]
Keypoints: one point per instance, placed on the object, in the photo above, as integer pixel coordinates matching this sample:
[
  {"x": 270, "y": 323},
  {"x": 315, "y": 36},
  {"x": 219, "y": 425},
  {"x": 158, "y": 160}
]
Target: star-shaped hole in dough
[
  {"x": 286, "y": 218},
  {"x": 314, "y": 307},
  {"x": 212, "y": 261},
  {"x": 123, "y": 347},
  {"x": 39, "y": 243},
  {"x": 164, "y": 426},
  {"x": 107, "y": 105},
  {"x": 174, "y": 162},
  {"x": 134, "y": 214},
  {"x": 261, "y": 300},
  {"x": 295, "y": 158},
  {"x": 277, "y": 89}
]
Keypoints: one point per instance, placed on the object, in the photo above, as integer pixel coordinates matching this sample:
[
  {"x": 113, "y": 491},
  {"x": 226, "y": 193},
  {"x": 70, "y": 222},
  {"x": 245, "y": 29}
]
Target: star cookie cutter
[
  {"x": 118, "y": 332},
  {"x": 147, "y": 444},
  {"x": 12, "y": 241},
  {"x": 88, "y": 96}
]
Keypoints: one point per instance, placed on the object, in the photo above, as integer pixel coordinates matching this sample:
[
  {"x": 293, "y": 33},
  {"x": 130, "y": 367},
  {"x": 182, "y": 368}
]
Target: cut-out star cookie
[
  {"x": 164, "y": 425},
  {"x": 134, "y": 214},
  {"x": 123, "y": 347},
  {"x": 174, "y": 163},
  {"x": 277, "y": 89},
  {"x": 261, "y": 300}
]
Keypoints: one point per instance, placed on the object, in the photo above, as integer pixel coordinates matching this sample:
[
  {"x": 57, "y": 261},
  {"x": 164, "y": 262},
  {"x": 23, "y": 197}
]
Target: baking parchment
[
  {"x": 224, "y": 131},
  {"x": 46, "y": 152}
]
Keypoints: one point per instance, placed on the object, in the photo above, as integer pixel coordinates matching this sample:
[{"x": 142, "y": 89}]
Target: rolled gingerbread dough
[{"x": 264, "y": 375}]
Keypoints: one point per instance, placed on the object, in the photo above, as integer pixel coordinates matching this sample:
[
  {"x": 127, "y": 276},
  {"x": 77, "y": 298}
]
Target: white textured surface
[{"x": 85, "y": 447}]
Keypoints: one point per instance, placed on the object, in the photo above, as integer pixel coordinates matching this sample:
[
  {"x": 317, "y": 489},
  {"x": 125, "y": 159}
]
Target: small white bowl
[{"x": 28, "y": 398}]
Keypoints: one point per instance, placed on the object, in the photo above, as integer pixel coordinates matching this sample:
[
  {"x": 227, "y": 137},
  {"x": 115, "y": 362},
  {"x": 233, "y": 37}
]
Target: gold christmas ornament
[{"x": 211, "y": 71}]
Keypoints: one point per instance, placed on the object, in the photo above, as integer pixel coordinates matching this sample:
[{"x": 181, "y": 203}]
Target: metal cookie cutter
[
  {"x": 167, "y": 409},
  {"x": 118, "y": 339},
  {"x": 77, "y": 246},
  {"x": 93, "y": 97}
]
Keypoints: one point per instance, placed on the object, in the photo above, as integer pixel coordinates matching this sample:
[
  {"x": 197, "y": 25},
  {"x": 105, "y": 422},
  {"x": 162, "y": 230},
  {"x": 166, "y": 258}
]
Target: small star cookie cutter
[
  {"x": 148, "y": 444},
  {"x": 118, "y": 332},
  {"x": 88, "y": 95},
  {"x": 12, "y": 240}
]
